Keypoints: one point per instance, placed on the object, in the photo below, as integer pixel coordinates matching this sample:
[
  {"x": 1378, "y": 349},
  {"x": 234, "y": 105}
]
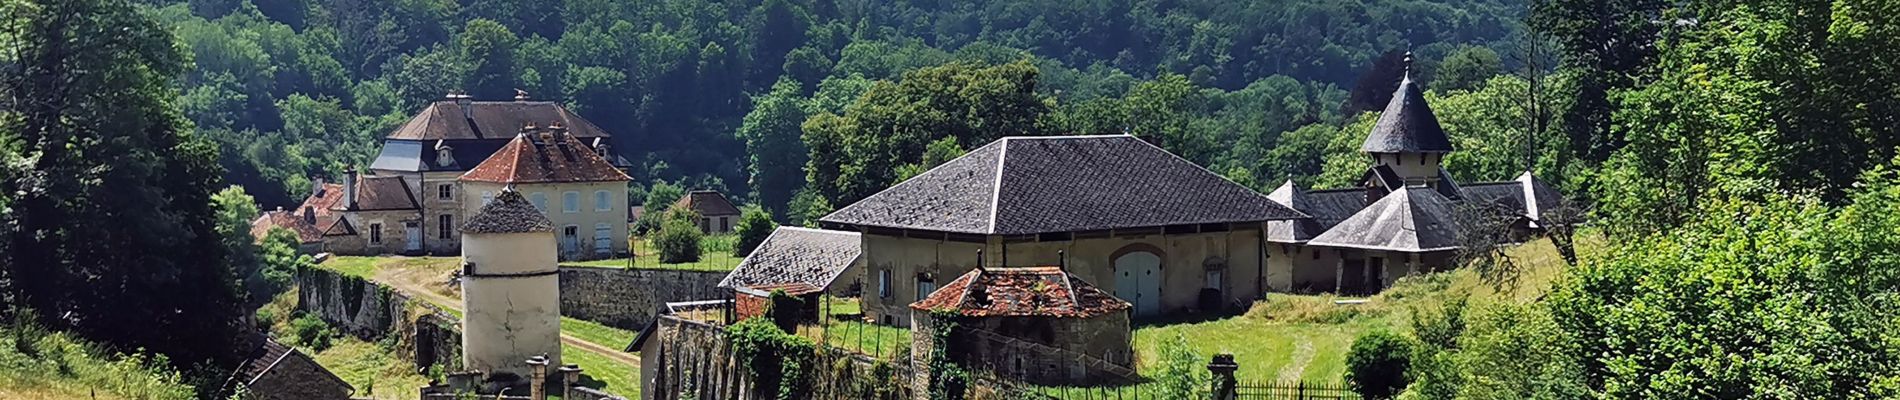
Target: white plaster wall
[
  {"x": 509, "y": 319},
  {"x": 1412, "y": 166},
  {"x": 585, "y": 218}
]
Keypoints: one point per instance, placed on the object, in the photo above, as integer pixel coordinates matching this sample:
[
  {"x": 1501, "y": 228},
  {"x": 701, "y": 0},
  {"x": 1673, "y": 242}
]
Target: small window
[
  {"x": 540, "y": 201},
  {"x": 705, "y": 225},
  {"x": 602, "y": 201},
  {"x": 571, "y": 202},
  {"x": 445, "y": 226},
  {"x": 445, "y": 191},
  {"x": 1214, "y": 279},
  {"x": 926, "y": 284},
  {"x": 376, "y": 233},
  {"x": 488, "y": 197},
  {"x": 884, "y": 283},
  {"x": 725, "y": 224}
]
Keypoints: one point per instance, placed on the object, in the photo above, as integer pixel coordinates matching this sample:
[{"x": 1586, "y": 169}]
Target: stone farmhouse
[
  {"x": 1403, "y": 217},
  {"x": 414, "y": 197},
  {"x": 1162, "y": 233},
  {"x": 717, "y": 215},
  {"x": 1042, "y": 324}
]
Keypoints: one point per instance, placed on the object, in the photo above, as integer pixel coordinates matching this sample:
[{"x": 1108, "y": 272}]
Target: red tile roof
[
  {"x": 707, "y": 203},
  {"x": 1022, "y": 292},
  {"x": 306, "y": 231},
  {"x": 563, "y": 160}
]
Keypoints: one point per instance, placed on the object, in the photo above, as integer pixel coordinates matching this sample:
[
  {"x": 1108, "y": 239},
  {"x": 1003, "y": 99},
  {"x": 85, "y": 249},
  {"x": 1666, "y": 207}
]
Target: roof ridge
[
  {"x": 815, "y": 230},
  {"x": 964, "y": 296},
  {"x": 1027, "y": 137},
  {"x": 996, "y": 186}
]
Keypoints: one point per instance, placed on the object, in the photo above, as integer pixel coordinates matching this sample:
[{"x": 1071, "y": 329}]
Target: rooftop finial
[{"x": 1408, "y": 65}]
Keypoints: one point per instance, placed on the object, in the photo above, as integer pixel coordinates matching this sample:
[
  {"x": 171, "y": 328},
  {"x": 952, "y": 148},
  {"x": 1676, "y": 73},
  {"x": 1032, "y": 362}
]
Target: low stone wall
[
  {"x": 370, "y": 311},
  {"x": 631, "y": 298}
]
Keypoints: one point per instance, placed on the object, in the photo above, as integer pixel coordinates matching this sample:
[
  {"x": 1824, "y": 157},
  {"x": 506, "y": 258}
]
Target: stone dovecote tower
[
  {"x": 1407, "y": 140},
  {"x": 510, "y": 288}
]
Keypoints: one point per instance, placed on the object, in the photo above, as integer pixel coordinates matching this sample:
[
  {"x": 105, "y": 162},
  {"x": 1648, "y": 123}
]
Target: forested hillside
[{"x": 296, "y": 89}]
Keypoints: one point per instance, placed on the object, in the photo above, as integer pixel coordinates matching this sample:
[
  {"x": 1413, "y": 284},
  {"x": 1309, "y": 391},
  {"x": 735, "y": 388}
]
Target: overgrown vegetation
[
  {"x": 754, "y": 226},
  {"x": 38, "y": 363},
  {"x": 779, "y": 364},
  {"x": 1377, "y": 365}
]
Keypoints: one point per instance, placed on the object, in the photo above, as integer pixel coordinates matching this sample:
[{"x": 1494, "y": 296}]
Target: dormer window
[{"x": 444, "y": 154}]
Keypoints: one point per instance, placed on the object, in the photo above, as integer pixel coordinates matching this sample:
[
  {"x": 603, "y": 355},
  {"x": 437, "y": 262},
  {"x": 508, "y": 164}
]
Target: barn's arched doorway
[{"x": 1138, "y": 280}]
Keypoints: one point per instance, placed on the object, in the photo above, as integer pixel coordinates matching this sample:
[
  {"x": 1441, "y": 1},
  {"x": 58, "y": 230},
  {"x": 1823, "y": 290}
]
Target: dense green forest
[
  {"x": 1740, "y": 156},
  {"x": 296, "y": 89}
]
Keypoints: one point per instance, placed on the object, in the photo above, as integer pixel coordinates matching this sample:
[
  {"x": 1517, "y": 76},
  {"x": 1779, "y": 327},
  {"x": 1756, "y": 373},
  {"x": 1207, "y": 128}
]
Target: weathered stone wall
[
  {"x": 370, "y": 311},
  {"x": 630, "y": 298}
]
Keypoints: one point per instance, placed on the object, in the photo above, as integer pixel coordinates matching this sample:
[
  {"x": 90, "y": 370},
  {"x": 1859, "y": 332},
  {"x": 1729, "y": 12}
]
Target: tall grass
[{"x": 37, "y": 363}]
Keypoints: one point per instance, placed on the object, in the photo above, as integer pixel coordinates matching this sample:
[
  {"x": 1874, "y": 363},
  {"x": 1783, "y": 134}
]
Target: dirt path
[
  {"x": 1295, "y": 367},
  {"x": 439, "y": 300}
]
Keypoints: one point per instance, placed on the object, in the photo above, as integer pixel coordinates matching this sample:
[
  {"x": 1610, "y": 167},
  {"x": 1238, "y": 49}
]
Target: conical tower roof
[
  {"x": 1407, "y": 125},
  {"x": 508, "y": 213}
]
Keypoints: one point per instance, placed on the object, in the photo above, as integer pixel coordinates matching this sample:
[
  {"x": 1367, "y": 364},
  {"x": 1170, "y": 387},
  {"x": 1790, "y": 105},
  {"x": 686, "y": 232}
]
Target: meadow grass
[
  {"x": 38, "y": 364},
  {"x": 602, "y": 373}
]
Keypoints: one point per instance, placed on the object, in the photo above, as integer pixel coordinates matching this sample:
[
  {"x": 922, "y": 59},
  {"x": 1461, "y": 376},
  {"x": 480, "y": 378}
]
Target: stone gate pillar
[{"x": 1223, "y": 367}]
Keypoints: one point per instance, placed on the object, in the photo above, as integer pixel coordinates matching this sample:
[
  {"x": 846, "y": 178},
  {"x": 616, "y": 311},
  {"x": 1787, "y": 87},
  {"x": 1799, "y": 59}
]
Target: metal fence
[{"x": 1293, "y": 391}]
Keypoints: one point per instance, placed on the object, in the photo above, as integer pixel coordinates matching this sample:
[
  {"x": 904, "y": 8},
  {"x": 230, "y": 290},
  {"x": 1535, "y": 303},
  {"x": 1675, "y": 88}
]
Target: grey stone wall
[
  {"x": 630, "y": 298},
  {"x": 370, "y": 311}
]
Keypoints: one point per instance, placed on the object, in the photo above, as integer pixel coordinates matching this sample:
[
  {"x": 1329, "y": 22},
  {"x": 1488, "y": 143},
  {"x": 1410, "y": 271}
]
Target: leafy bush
[
  {"x": 1518, "y": 352},
  {"x": 678, "y": 238},
  {"x": 754, "y": 226},
  {"x": 309, "y": 331},
  {"x": 1376, "y": 365},
  {"x": 779, "y": 363},
  {"x": 1183, "y": 375},
  {"x": 1784, "y": 298}
]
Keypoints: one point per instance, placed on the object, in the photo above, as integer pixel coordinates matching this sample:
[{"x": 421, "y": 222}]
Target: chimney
[
  {"x": 466, "y": 102},
  {"x": 316, "y": 187},
  {"x": 349, "y": 187},
  {"x": 560, "y": 132},
  {"x": 310, "y": 215},
  {"x": 600, "y": 146},
  {"x": 521, "y": 95}
]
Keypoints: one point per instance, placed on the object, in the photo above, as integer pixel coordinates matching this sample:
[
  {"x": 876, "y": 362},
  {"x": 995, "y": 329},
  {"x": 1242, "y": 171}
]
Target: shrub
[
  {"x": 1376, "y": 365},
  {"x": 754, "y": 226},
  {"x": 309, "y": 331},
  {"x": 1183, "y": 375},
  {"x": 678, "y": 238}
]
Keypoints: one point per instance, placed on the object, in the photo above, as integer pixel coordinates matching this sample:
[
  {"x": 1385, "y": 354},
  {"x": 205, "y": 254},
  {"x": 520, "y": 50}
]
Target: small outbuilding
[
  {"x": 716, "y": 213},
  {"x": 277, "y": 371},
  {"x": 1039, "y": 324}
]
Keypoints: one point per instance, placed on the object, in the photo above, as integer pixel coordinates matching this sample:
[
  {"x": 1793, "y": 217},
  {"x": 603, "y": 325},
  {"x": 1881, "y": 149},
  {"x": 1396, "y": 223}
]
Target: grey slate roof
[
  {"x": 1325, "y": 207},
  {"x": 1027, "y": 185},
  {"x": 1411, "y": 219},
  {"x": 508, "y": 213},
  {"x": 797, "y": 255},
  {"x": 1407, "y": 125},
  {"x": 1513, "y": 196}
]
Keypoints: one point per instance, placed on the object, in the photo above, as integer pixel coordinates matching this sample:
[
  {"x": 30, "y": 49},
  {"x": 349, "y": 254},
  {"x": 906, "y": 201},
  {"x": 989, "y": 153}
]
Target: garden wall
[
  {"x": 372, "y": 312},
  {"x": 631, "y": 298}
]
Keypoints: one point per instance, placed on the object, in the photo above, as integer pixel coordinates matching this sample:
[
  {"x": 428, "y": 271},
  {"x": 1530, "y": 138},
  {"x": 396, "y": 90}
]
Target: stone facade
[
  {"x": 297, "y": 377},
  {"x": 631, "y": 298},
  {"x": 370, "y": 311},
  {"x": 1229, "y": 261},
  {"x": 1038, "y": 350}
]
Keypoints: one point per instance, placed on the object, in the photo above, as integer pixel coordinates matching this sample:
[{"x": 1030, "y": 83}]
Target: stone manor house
[
  {"x": 452, "y": 158},
  {"x": 1166, "y": 235}
]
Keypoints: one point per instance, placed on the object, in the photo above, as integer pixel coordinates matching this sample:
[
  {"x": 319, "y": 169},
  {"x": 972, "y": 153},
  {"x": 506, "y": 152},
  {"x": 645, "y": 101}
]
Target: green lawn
[
  {"x": 597, "y": 333},
  {"x": 602, "y": 373},
  {"x": 357, "y": 266}
]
